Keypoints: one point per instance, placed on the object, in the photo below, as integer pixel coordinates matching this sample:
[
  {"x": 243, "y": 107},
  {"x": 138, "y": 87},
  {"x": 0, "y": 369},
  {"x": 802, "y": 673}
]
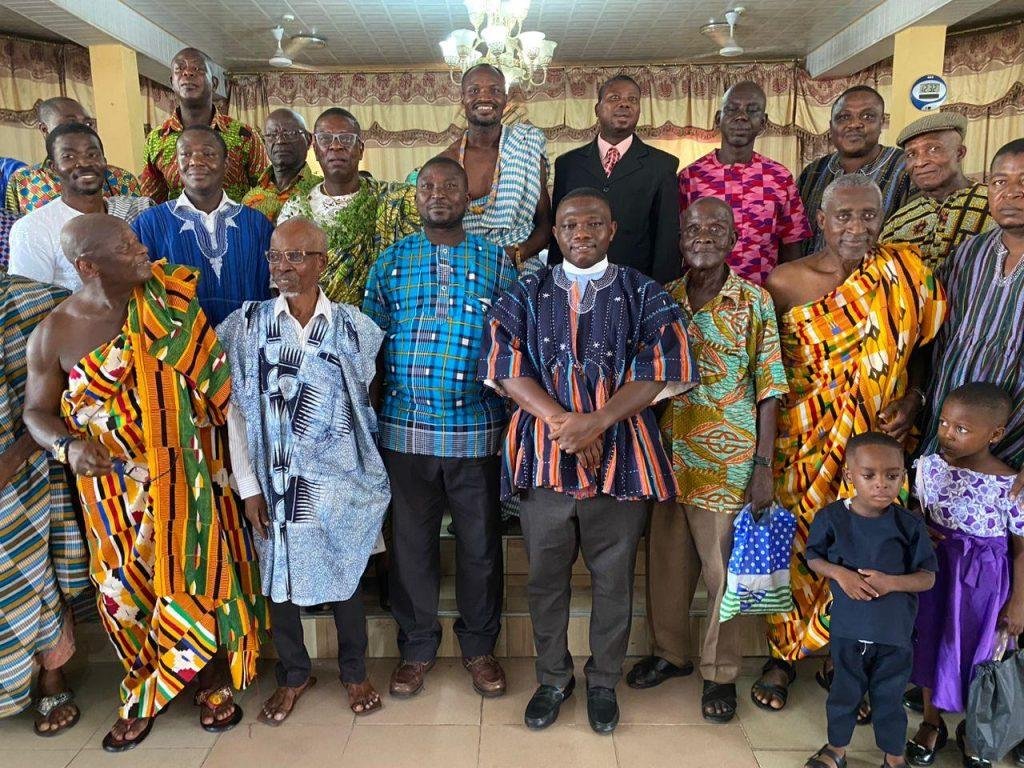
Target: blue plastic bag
[{"x": 757, "y": 581}]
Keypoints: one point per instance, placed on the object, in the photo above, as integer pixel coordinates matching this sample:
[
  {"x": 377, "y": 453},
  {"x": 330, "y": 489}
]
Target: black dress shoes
[
  {"x": 602, "y": 709},
  {"x": 543, "y": 708},
  {"x": 654, "y": 670}
]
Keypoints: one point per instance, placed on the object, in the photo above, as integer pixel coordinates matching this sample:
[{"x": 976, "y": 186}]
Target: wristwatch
[
  {"x": 762, "y": 461},
  {"x": 60, "y": 446}
]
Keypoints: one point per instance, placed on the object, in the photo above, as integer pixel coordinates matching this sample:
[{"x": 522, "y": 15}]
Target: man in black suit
[{"x": 638, "y": 180}]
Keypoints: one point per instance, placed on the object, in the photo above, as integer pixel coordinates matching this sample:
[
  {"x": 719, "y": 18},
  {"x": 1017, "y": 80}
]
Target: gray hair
[{"x": 849, "y": 181}]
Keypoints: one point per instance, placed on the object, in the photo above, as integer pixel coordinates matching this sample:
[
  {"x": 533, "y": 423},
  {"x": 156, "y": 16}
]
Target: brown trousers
[{"x": 685, "y": 542}]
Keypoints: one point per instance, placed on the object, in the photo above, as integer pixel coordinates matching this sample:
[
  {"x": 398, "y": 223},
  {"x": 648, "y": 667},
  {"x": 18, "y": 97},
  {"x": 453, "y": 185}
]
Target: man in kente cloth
[{"x": 126, "y": 380}]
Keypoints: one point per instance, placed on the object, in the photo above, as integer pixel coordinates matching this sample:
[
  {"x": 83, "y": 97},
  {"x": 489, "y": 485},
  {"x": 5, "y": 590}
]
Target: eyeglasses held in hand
[
  {"x": 325, "y": 140},
  {"x": 292, "y": 257}
]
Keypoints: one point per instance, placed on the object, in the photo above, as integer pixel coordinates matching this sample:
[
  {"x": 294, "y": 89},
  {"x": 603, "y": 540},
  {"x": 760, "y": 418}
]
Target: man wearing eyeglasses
[
  {"x": 193, "y": 84},
  {"x": 361, "y": 216},
  {"x": 770, "y": 221},
  {"x": 288, "y": 174},
  {"x": 206, "y": 229},
  {"x": 36, "y": 185},
  {"x": 305, "y": 459}
]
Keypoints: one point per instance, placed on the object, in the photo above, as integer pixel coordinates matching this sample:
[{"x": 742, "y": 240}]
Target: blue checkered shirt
[{"x": 432, "y": 301}]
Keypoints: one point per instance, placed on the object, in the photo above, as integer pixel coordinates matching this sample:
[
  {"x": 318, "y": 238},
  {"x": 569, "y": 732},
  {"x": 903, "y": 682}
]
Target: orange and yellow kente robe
[
  {"x": 173, "y": 564},
  {"x": 846, "y": 357}
]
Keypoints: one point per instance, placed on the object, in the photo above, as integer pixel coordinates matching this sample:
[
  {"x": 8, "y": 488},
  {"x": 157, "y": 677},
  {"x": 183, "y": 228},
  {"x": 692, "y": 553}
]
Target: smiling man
[
  {"x": 75, "y": 153},
  {"x": 950, "y": 207},
  {"x": 638, "y": 179},
  {"x": 854, "y": 130},
  {"x": 770, "y": 221},
  {"x": 193, "y": 84},
  {"x": 361, "y": 216},
  {"x": 583, "y": 349},
  {"x": 205, "y": 229}
]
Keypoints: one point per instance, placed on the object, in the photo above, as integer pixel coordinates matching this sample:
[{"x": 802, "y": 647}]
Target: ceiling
[{"x": 400, "y": 33}]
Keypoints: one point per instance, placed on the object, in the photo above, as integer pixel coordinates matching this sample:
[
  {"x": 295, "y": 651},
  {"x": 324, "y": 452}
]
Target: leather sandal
[
  {"x": 814, "y": 762},
  {"x": 654, "y": 670},
  {"x": 773, "y": 690},
  {"x": 45, "y": 706},
  {"x": 112, "y": 744},
  {"x": 212, "y": 699},
  {"x": 718, "y": 693}
]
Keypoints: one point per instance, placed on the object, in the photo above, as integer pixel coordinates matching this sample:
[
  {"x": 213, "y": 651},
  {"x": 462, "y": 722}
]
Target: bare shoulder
[{"x": 451, "y": 151}]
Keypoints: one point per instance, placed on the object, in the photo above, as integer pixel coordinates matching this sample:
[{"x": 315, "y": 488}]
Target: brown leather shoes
[
  {"x": 488, "y": 676},
  {"x": 407, "y": 679}
]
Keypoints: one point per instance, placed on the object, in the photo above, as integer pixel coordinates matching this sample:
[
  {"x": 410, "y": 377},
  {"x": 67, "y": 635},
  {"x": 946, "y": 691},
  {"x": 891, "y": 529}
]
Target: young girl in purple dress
[{"x": 978, "y": 528}]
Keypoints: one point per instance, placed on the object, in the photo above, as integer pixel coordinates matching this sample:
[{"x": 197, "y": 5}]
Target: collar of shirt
[
  {"x": 173, "y": 124},
  {"x": 731, "y": 291},
  {"x": 323, "y": 307},
  {"x": 712, "y": 158},
  {"x": 623, "y": 146},
  {"x": 209, "y": 219},
  {"x": 586, "y": 274},
  {"x": 269, "y": 181}
]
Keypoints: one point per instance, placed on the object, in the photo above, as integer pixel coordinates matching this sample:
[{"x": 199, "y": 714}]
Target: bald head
[
  {"x": 287, "y": 118},
  {"x": 62, "y": 110},
  {"x": 747, "y": 89},
  {"x": 105, "y": 252},
  {"x": 298, "y": 234},
  {"x": 91, "y": 236},
  {"x": 714, "y": 207}
]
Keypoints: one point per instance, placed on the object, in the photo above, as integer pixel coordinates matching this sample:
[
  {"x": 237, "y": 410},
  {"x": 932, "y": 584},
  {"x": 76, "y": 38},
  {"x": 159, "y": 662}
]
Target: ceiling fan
[
  {"x": 723, "y": 34},
  {"x": 286, "y": 52}
]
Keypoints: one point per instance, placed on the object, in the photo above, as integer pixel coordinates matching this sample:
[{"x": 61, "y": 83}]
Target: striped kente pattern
[{"x": 846, "y": 357}]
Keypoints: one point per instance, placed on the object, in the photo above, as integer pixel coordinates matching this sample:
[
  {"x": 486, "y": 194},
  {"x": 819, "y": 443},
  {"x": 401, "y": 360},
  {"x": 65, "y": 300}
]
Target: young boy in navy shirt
[{"x": 877, "y": 557}]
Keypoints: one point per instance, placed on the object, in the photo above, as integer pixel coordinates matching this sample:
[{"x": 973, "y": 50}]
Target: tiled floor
[{"x": 447, "y": 726}]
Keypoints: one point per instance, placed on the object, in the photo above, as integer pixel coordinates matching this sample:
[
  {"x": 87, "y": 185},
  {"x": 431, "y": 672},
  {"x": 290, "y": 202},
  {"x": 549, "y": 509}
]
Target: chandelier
[{"x": 497, "y": 38}]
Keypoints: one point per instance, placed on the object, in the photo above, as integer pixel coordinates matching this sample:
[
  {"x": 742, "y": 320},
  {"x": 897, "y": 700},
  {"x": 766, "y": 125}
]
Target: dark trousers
[
  {"x": 882, "y": 672},
  {"x": 293, "y": 666},
  {"x": 422, "y": 488},
  {"x": 555, "y": 528}
]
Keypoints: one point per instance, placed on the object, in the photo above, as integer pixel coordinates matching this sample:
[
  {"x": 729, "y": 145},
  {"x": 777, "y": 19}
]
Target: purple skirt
[{"x": 956, "y": 619}]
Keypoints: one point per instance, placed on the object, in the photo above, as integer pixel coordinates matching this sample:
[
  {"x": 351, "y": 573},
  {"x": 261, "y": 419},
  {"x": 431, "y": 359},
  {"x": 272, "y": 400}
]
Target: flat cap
[{"x": 935, "y": 121}]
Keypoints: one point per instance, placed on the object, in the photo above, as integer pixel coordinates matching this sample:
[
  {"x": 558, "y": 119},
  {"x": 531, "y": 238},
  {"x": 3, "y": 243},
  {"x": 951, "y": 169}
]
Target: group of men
[{"x": 235, "y": 452}]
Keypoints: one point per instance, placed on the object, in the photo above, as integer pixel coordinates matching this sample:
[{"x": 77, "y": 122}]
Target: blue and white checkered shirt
[{"x": 432, "y": 301}]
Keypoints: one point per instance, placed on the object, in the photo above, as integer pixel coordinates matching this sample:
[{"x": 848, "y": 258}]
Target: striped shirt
[
  {"x": 431, "y": 301},
  {"x": 888, "y": 171},
  {"x": 937, "y": 228},
  {"x": 981, "y": 339}
]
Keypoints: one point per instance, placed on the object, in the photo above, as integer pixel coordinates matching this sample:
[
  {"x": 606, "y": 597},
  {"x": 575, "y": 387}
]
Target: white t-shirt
[{"x": 35, "y": 239}]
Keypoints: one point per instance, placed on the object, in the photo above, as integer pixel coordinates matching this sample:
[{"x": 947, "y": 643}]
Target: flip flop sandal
[
  {"x": 718, "y": 693},
  {"x": 814, "y": 762},
  {"x": 211, "y": 700},
  {"x": 47, "y": 704},
  {"x": 368, "y": 707},
  {"x": 310, "y": 682},
  {"x": 110, "y": 744},
  {"x": 775, "y": 691}
]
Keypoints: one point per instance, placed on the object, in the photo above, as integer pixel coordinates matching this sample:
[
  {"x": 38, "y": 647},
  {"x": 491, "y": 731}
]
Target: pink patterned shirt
[{"x": 766, "y": 203}]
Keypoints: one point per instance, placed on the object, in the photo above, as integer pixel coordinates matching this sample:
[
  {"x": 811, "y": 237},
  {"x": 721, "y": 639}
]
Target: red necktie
[{"x": 610, "y": 159}]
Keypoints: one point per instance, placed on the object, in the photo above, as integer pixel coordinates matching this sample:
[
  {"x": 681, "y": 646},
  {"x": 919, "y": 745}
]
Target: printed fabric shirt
[
  {"x": 431, "y": 301},
  {"x": 938, "y": 228},
  {"x": 974, "y": 503},
  {"x": 7, "y": 220},
  {"x": 247, "y": 158},
  {"x": 712, "y": 429},
  {"x": 268, "y": 199},
  {"x": 764, "y": 198},
  {"x": 33, "y": 187}
]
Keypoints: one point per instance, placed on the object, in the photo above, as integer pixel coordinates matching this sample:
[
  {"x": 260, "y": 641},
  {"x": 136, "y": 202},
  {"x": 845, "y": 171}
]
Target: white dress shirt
[{"x": 209, "y": 219}]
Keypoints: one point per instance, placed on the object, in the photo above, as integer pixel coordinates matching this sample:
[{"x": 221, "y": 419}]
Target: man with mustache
[
  {"x": 507, "y": 166},
  {"x": 288, "y": 174},
  {"x": 950, "y": 208},
  {"x": 361, "y": 216},
  {"x": 638, "y": 179},
  {"x": 851, "y": 317},
  {"x": 440, "y": 428},
  {"x": 34, "y": 186},
  {"x": 770, "y": 221},
  {"x": 193, "y": 84},
  {"x": 75, "y": 153},
  {"x": 205, "y": 229},
  {"x": 854, "y": 130},
  {"x": 305, "y": 459},
  {"x": 583, "y": 349}
]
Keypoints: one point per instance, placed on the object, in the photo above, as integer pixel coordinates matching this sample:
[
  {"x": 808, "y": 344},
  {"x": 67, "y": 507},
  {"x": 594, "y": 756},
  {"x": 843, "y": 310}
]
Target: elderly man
[
  {"x": 770, "y": 219},
  {"x": 638, "y": 179},
  {"x": 950, "y": 207},
  {"x": 288, "y": 174},
  {"x": 126, "y": 380},
  {"x": 722, "y": 434},
  {"x": 583, "y": 348},
  {"x": 75, "y": 155},
  {"x": 205, "y": 229},
  {"x": 854, "y": 130},
  {"x": 507, "y": 168},
  {"x": 41, "y": 547},
  {"x": 361, "y": 216},
  {"x": 440, "y": 429},
  {"x": 305, "y": 458},
  {"x": 851, "y": 317},
  {"x": 193, "y": 84},
  {"x": 33, "y": 187}
]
